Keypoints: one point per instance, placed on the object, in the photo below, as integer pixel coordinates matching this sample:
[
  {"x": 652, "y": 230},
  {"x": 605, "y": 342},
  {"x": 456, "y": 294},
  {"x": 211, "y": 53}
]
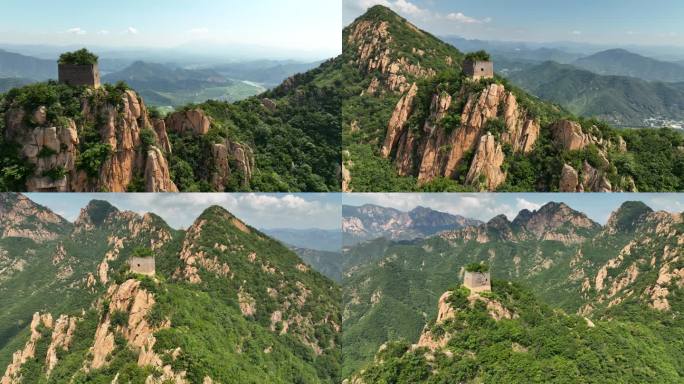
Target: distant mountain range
[
  {"x": 164, "y": 85},
  {"x": 318, "y": 239},
  {"x": 266, "y": 72},
  {"x": 20, "y": 66},
  {"x": 624, "y": 63},
  {"x": 620, "y": 100},
  {"x": 370, "y": 222}
]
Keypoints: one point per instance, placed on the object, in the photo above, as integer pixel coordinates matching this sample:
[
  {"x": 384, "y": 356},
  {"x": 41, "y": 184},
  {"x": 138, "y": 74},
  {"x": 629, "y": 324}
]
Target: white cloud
[
  {"x": 132, "y": 31},
  {"x": 576, "y": 32},
  {"x": 407, "y": 7},
  {"x": 103, "y": 32},
  {"x": 76, "y": 31},
  {"x": 459, "y": 17},
  {"x": 525, "y": 204}
]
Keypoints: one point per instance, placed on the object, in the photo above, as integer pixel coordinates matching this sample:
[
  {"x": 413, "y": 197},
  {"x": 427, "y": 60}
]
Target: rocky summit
[
  {"x": 414, "y": 120},
  {"x": 63, "y": 137},
  {"x": 220, "y": 303}
]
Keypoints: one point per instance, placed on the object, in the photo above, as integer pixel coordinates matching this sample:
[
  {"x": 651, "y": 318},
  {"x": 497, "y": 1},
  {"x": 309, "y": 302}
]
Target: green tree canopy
[{"x": 80, "y": 57}]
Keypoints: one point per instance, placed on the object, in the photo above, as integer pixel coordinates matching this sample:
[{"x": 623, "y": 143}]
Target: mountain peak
[
  {"x": 552, "y": 217},
  {"x": 21, "y": 217},
  {"x": 95, "y": 213},
  {"x": 628, "y": 216}
]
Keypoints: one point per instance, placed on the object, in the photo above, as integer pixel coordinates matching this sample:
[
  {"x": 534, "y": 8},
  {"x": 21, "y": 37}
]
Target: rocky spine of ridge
[
  {"x": 375, "y": 54},
  {"x": 55, "y": 147},
  {"x": 656, "y": 244},
  {"x": 452, "y": 138},
  {"x": 227, "y": 156},
  {"x": 553, "y": 222}
]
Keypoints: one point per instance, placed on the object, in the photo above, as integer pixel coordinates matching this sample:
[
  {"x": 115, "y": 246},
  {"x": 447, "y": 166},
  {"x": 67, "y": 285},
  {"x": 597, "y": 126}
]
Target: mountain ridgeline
[
  {"x": 413, "y": 120},
  {"x": 222, "y": 302},
  {"x": 571, "y": 301},
  {"x": 370, "y": 222},
  {"x": 58, "y": 137},
  {"x": 620, "y": 100}
]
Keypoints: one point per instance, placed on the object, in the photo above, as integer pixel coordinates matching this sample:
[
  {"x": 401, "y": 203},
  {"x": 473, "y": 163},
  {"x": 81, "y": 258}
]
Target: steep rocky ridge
[
  {"x": 112, "y": 325},
  {"x": 419, "y": 123}
]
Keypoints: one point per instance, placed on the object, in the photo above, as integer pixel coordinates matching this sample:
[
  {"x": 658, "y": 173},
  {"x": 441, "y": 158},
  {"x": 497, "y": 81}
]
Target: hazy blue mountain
[
  {"x": 162, "y": 84},
  {"x": 618, "y": 99},
  {"x": 318, "y": 239},
  {"x": 327, "y": 263},
  {"x": 12, "y": 82},
  {"x": 21, "y": 66},
  {"x": 621, "y": 62},
  {"x": 267, "y": 72}
]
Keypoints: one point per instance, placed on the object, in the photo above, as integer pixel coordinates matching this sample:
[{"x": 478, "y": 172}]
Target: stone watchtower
[
  {"x": 143, "y": 265},
  {"x": 79, "y": 68},
  {"x": 478, "y": 69},
  {"x": 477, "y": 281},
  {"x": 80, "y": 75}
]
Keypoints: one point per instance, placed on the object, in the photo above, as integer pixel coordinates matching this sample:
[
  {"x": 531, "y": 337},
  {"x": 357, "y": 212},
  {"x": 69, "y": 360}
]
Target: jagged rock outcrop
[
  {"x": 346, "y": 173},
  {"x": 569, "y": 180},
  {"x": 52, "y": 146},
  {"x": 398, "y": 120},
  {"x": 375, "y": 53},
  {"x": 569, "y": 135},
  {"x": 487, "y": 165},
  {"x": 62, "y": 335},
  {"x": 51, "y": 149},
  {"x": 13, "y": 372},
  {"x": 157, "y": 175},
  {"x": 136, "y": 303},
  {"x": 594, "y": 180},
  {"x": 440, "y": 148},
  {"x": 193, "y": 121},
  {"x": 162, "y": 137},
  {"x": 223, "y": 154}
]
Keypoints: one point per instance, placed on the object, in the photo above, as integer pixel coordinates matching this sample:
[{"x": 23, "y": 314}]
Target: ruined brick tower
[
  {"x": 477, "y": 281},
  {"x": 478, "y": 69},
  {"x": 142, "y": 265},
  {"x": 80, "y": 75}
]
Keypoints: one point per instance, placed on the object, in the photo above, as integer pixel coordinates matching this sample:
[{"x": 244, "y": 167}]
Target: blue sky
[
  {"x": 306, "y": 25},
  {"x": 299, "y": 211},
  {"x": 616, "y": 22},
  {"x": 484, "y": 206}
]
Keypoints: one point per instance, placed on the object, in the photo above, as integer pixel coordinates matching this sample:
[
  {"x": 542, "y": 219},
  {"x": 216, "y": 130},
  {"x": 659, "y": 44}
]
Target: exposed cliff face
[
  {"x": 439, "y": 149},
  {"x": 485, "y": 171},
  {"x": 54, "y": 146}
]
